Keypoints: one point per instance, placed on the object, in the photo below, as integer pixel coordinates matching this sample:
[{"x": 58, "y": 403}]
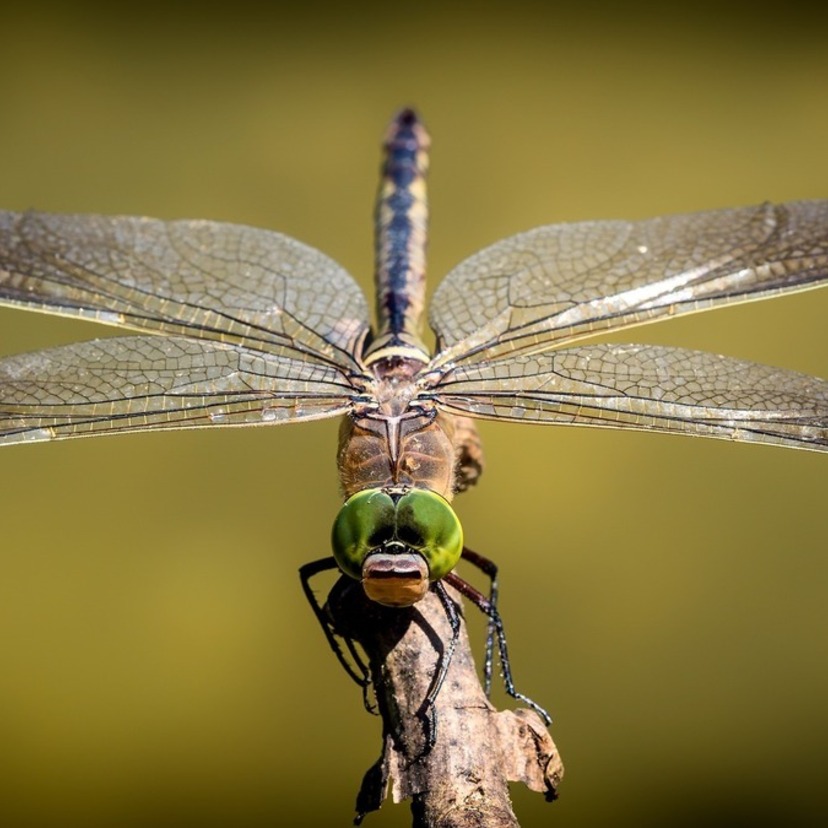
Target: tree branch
[{"x": 462, "y": 780}]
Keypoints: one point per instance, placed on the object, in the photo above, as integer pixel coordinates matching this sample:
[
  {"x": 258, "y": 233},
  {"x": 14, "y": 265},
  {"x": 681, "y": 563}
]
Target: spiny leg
[
  {"x": 428, "y": 710},
  {"x": 487, "y": 567},
  {"x": 483, "y": 604},
  {"x": 361, "y": 675}
]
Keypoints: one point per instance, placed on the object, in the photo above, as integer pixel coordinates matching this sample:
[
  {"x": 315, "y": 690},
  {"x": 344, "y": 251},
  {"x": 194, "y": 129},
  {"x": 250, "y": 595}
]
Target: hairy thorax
[{"x": 390, "y": 442}]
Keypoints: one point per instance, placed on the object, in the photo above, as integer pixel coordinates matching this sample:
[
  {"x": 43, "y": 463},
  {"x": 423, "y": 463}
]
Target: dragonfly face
[{"x": 396, "y": 542}]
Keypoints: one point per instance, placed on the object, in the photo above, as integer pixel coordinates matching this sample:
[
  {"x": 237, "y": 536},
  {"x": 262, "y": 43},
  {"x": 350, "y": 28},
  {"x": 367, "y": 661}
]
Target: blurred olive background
[{"x": 666, "y": 598}]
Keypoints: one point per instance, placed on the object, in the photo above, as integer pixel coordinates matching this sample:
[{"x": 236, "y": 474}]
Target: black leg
[
  {"x": 428, "y": 710},
  {"x": 483, "y": 604},
  {"x": 487, "y": 567},
  {"x": 359, "y": 673}
]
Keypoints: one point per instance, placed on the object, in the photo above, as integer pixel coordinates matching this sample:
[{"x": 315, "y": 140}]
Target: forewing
[
  {"x": 137, "y": 383},
  {"x": 220, "y": 282},
  {"x": 552, "y": 285},
  {"x": 645, "y": 387}
]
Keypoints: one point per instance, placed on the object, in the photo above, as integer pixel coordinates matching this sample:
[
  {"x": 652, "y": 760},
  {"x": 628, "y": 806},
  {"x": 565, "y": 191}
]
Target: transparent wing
[
  {"x": 137, "y": 383},
  {"x": 203, "y": 279},
  {"x": 645, "y": 387},
  {"x": 556, "y": 284}
]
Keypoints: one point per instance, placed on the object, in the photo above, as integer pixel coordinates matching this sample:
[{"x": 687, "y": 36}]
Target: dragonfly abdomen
[{"x": 401, "y": 227}]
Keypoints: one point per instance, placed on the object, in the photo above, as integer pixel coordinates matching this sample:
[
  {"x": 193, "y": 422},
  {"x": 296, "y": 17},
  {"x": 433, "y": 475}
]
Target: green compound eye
[
  {"x": 419, "y": 522},
  {"x": 427, "y": 523},
  {"x": 363, "y": 523}
]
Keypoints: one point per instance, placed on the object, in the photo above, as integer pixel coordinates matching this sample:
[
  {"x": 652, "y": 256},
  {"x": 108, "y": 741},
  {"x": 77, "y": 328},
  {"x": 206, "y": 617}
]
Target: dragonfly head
[{"x": 396, "y": 542}]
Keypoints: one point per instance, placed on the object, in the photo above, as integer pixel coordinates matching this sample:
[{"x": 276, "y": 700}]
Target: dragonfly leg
[
  {"x": 354, "y": 666},
  {"x": 429, "y": 709},
  {"x": 484, "y": 605},
  {"x": 487, "y": 567}
]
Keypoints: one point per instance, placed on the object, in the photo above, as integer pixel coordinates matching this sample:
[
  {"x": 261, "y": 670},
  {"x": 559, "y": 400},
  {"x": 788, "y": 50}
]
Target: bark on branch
[{"x": 462, "y": 780}]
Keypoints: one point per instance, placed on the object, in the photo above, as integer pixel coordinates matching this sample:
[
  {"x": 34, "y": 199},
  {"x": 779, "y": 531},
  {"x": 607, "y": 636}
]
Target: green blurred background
[{"x": 666, "y": 598}]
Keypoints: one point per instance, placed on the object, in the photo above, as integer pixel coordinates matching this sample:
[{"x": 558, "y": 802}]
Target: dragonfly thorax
[
  {"x": 395, "y": 439},
  {"x": 415, "y": 450}
]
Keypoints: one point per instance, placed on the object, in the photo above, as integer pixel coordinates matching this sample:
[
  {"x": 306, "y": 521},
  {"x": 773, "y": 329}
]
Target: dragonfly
[{"x": 236, "y": 326}]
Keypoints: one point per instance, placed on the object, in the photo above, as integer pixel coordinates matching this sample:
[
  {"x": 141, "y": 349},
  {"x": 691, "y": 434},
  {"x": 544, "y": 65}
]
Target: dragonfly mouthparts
[{"x": 395, "y": 576}]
